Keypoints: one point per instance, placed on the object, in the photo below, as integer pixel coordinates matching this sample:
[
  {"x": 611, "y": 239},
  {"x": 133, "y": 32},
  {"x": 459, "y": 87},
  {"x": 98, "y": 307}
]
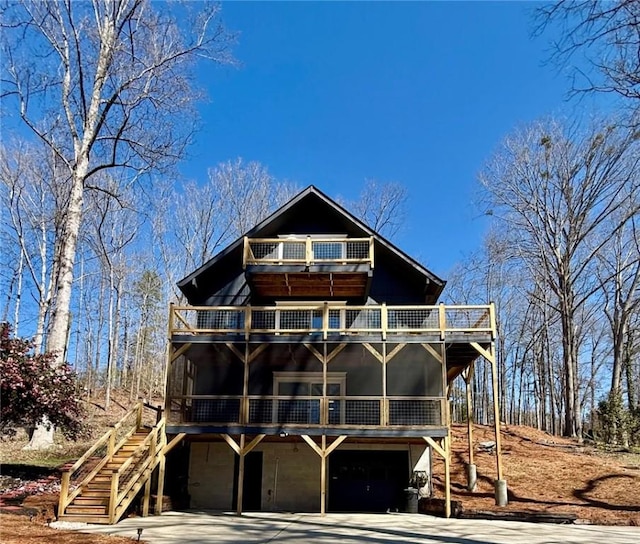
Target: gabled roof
[{"x": 269, "y": 226}]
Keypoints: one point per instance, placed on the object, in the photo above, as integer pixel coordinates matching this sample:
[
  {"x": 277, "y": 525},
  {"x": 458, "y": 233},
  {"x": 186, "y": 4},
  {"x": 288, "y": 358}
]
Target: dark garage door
[{"x": 367, "y": 481}]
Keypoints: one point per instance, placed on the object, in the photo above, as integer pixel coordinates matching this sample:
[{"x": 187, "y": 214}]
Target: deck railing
[
  {"x": 328, "y": 319},
  {"x": 334, "y": 411},
  {"x": 308, "y": 251}
]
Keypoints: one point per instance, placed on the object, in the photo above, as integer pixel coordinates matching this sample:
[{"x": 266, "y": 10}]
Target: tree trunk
[{"x": 57, "y": 338}]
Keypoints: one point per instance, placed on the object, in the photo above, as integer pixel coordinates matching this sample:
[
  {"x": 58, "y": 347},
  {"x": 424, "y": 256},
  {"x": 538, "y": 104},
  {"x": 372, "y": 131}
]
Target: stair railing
[
  {"x": 129, "y": 478},
  {"x": 108, "y": 439}
]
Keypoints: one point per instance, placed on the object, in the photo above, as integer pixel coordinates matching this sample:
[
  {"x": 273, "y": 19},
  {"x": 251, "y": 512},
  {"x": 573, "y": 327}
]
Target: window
[{"x": 307, "y": 386}]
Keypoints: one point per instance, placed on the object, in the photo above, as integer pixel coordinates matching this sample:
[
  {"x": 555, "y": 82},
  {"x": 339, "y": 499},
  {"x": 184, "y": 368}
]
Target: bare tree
[
  {"x": 104, "y": 84},
  {"x": 619, "y": 275},
  {"x": 194, "y": 221},
  {"x": 607, "y": 34},
  {"x": 35, "y": 199},
  {"x": 561, "y": 191},
  {"x": 381, "y": 205}
]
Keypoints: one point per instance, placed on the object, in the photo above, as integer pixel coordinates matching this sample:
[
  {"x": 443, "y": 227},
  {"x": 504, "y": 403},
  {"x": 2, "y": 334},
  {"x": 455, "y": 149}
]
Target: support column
[
  {"x": 443, "y": 449},
  {"x": 323, "y": 451},
  {"x": 500, "y": 484},
  {"x": 240, "y": 476},
  {"x": 471, "y": 469},
  {"x": 160, "y": 492}
]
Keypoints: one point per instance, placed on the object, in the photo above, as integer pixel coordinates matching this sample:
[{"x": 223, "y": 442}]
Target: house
[{"x": 310, "y": 369}]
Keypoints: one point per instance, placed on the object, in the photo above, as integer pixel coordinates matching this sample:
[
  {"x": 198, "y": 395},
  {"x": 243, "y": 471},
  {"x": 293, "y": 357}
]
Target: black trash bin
[{"x": 411, "y": 498}]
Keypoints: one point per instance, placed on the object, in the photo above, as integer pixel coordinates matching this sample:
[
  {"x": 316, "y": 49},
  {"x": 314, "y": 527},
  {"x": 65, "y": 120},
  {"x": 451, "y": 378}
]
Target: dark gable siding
[
  {"x": 395, "y": 280},
  {"x": 223, "y": 284},
  {"x": 311, "y": 216}
]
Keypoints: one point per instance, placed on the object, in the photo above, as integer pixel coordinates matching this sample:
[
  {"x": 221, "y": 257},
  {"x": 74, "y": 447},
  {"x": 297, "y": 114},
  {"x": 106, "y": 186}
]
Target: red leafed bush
[{"x": 33, "y": 388}]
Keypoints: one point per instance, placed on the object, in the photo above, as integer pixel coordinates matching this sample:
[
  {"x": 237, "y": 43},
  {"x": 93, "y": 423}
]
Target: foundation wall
[{"x": 290, "y": 474}]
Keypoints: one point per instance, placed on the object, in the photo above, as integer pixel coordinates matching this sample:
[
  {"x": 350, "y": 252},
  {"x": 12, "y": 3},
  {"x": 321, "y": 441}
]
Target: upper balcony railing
[
  {"x": 329, "y": 319},
  {"x": 307, "y": 251}
]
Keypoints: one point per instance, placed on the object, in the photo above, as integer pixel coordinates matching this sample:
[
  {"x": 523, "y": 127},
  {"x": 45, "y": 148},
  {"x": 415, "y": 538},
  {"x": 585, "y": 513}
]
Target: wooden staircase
[{"x": 100, "y": 486}]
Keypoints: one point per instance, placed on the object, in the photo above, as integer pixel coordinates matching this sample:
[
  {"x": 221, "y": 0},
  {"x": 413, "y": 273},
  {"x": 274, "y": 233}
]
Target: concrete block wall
[{"x": 290, "y": 474}]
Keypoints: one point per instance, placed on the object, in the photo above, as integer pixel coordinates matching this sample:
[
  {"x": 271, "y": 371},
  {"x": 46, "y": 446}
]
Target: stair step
[
  {"x": 77, "y": 518},
  {"x": 86, "y": 509},
  {"x": 90, "y": 500},
  {"x": 96, "y": 491}
]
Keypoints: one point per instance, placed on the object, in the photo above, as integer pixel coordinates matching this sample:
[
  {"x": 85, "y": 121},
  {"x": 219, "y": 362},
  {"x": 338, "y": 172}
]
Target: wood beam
[
  {"x": 335, "y": 352},
  {"x": 315, "y": 352},
  {"x": 395, "y": 351},
  {"x": 174, "y": 442},
  {"x": 438, "y": 356},
  {"x": 438, "y": 449},
  {"x": 374, "y": 352},
  {"x": 335, "y": 444},
  {"x": 235, "y": 351},
  {"x": 312, "y": 444},
  {"x": 232, "y": 443},
  {"x": 184, "y": 321},
  {"x": 180, "y": 351},
  {"x": 256, "y": 352},
  {"x": 487, "y": 354},
  {"x": 251, "y": 445},
  {"x": 444, "y": 452}
]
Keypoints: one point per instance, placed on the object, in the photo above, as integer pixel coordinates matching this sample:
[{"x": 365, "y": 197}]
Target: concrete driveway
[{"x": 217, "y": 527}]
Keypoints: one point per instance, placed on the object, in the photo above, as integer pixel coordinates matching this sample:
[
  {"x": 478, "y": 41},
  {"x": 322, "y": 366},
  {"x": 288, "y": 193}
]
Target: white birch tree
[{"x": 105, "y": 84}]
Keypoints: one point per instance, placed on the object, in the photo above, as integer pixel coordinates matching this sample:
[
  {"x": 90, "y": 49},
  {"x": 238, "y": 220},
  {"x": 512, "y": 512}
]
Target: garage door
[{"x": 367, "y": 481}]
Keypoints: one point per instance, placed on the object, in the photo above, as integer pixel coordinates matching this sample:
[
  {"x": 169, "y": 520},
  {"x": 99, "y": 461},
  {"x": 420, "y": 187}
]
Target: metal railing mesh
[
  {"x": 308, "y": 411},
  {"x": 415, "y": 412},
  {"x": 402, "y": 319},
  {"x": 467, "y": 318},
  {"x": 360, "y": 412},
  {"x": 216, "y": 410},
  {"x": 363, "y": 318},
  {"x": 221, "y": 319},
  {"x": 367, "y": 319}
]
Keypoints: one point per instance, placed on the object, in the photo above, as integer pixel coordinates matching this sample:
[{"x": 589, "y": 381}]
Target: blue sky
[{"x": 420, "y": 93}]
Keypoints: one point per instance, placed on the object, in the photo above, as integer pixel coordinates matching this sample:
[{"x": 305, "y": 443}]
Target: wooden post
[
  {"x": 371, "y": 250},
  {"x": 442, "y": 320},
  {"x": 240, "y": 476},
  {"x": 323, "y": 477},
  {"x": 247, "y": 323},
  {"x": 147, "y": 496},
  {"x": 139, "y": 416},
  {"x": 160, "y": 493},
  {"x": 245, "y": 253},
  {"x": 496, "y": 411},
  {"x": 325, "y": 320},
  {"x": 447, "y": 476},
  {"x": 64, "y": 492},
  {"x": 467, "y": 380},
  {"x": 384, "y": 320},
  {"x": 112, "y": 443},
  {"x": 113, "y": 496},
  {"x": 308, "y": 253}
]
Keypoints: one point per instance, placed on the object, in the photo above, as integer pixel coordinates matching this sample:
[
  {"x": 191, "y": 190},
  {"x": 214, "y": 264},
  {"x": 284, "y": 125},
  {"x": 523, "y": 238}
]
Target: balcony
[
  {"x": 296, "y": 267},
  {"x": 310, "y": 415},
  {"x": 324, "y": 321}
]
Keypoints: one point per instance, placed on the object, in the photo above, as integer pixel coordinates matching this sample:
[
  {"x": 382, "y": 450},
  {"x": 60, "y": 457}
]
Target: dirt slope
[{"x": 547, "y": 474}]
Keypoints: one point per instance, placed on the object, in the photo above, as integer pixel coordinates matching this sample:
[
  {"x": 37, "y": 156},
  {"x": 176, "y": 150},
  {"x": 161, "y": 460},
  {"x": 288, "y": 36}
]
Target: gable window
[{"x": 304, "y": 392}]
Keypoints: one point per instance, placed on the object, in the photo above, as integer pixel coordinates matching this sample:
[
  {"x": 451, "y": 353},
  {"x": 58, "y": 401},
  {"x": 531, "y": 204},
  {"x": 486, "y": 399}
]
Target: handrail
[
  {"x": 153, "y": 443},
  {"x": 66, "y": 496},
  {"x": 267, "y": 406},
  {"x": 326, "y": 318},
  {"x": 307, "y": 251}
]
